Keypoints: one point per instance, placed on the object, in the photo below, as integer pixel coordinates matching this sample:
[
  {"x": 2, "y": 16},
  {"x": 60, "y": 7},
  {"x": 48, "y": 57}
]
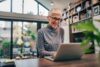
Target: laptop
[{"x": 70, "y": 51}]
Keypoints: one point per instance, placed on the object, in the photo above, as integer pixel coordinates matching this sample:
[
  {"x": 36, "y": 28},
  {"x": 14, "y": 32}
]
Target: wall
[
  {"x": 65, "y": 26},
  {"x": 97, "y": 25}
]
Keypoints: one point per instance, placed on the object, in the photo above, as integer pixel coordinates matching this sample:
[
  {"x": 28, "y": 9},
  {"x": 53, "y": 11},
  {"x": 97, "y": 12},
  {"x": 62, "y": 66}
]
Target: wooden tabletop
[{"x": 86, "y": 61}]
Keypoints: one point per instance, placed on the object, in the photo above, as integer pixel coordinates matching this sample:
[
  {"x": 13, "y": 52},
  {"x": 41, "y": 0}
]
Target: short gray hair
[{"x": 54, "y": 10}]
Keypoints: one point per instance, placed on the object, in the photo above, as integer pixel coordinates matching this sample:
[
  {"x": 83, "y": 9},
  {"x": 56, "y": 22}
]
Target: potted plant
[
  {"x": 31, "y": 35},
  {"x": 92, "y": 33},
  {"x": 6, "y": 46}
]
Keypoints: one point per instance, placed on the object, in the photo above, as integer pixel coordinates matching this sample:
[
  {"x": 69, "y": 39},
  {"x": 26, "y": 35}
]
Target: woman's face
[{"x": 54, "y": 20}]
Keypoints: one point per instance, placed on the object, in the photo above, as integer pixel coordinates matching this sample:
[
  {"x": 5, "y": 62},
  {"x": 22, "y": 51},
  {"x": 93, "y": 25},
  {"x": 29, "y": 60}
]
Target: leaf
[
  {"x": 33, "y": 36},
  {"x": 5, "y": 43},
  {"x": 90, "y": 31},
  {"x": 86, "y": 26},
  {"x": 97, "y": 38},
  {"x": 31, "y": 33},
  {"x": 85, "y": 42}
]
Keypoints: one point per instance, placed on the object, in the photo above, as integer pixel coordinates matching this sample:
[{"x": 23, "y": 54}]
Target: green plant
[
  {"x": 1, "y": 52},
  {"x": 6, "y": 46},
  {"x": 90, "y": 31},
  {"x": 32, "y": 34},
  {"x": 5, "y": 43}
]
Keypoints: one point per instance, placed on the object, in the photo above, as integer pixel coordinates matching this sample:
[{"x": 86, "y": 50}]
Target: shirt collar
[{"x": 50, "y": 27}]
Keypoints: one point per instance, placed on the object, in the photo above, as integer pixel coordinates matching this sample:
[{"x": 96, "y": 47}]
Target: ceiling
[{"x": 57, "y": 3}]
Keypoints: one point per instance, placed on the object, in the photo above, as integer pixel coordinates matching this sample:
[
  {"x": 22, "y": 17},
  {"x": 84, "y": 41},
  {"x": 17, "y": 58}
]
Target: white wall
[
  {"x": 97, "y": 25},
  {"x": 65, "y": 26}
]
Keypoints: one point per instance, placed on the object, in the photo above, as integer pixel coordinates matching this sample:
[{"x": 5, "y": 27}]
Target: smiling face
[{"x": 54, "y": 18}]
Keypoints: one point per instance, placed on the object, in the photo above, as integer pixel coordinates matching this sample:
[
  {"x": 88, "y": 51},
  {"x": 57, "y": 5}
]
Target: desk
[{"x": 86, "y": 61}]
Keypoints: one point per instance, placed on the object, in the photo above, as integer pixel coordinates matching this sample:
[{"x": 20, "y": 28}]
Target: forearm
[{"x": 47, "y": 53}]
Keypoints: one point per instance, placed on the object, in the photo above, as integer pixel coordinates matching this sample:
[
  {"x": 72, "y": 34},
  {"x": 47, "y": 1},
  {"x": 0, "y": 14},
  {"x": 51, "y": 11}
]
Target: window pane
[
  {"x": 30, "y": 7},
  {"x": 24, "y": 38},
  {"x": 17, "y": 35},
  {"x": 5, "y": 35},
  {"x": 43, "y": 25},
  {"x": 5, "y": 5},
  {"x": 43, "y": 11},
  {"x": 17, "y": 6},
  {"x": 30, "y": 31}
]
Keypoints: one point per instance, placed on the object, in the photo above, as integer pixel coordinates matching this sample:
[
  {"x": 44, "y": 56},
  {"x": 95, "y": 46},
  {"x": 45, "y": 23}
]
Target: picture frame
[{"x": 96, "y": 10}]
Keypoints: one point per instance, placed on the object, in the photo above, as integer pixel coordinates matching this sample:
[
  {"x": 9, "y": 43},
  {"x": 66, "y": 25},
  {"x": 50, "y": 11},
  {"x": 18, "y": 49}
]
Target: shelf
[
  {"x": 80, "y": 4},
  {"x": 86, "y": 3},
  {"x": 75, "y": 14},
  {"x": 90, "y": 7},
  {"x": 76, "y": 32},
  {"x": 75, "y": 6},
  {"x": 82, "y": 9},
  {"x": 71, "y": 9},
  {"x": 81, "y": 12},
  {"x": 98, "y": 3},
  {"x": 81, "y": 20}
]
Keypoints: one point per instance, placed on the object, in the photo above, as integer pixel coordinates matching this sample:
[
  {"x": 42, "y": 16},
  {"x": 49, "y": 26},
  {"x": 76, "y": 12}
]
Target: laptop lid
[{"x": 69, "y": 51}]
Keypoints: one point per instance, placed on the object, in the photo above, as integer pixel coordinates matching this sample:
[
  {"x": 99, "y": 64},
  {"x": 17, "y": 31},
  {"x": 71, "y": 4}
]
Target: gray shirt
[{"x": 49, "y": 40}]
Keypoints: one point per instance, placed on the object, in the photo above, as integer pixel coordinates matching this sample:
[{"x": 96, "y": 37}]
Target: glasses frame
[{"x": 55, "y": 18}]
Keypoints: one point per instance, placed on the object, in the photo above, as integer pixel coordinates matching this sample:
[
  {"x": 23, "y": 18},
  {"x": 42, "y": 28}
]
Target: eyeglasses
[{"x": 55, "y": 18}]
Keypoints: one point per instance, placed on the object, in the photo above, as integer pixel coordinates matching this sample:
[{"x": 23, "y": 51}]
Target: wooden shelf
[
  {"x": 81, "y": 21},
  {"x": 75, "y": 14},
  {"x": 98, "y": 3},
  {"x": 76, "y": 32},
  {"x": 79, "y": 13}
]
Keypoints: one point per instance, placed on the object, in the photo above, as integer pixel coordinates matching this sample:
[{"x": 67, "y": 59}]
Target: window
[
  {"x": 42, "y": 11},
  {"x": 5, "y": 5},
  {"x": 23, "y": 36},
  {"x": 5, "y": 35},
  {"x": 44, "y": 25},
  {"x": 17, "y": 6},
  {"x": 30, "y": 29},
  {"x": 19, "y": 27},
  {"x": 17, "y": 38},
  {"x": 30, "y": 7}
]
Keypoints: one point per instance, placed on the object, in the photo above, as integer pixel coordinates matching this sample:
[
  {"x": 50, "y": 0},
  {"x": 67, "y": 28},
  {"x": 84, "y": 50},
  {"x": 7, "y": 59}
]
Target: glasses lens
[{"x": 56, "y": 18}]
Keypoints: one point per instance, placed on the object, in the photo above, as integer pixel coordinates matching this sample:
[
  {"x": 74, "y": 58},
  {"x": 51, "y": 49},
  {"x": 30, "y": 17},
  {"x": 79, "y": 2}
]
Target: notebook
[{"x": 69, "y": 51}]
